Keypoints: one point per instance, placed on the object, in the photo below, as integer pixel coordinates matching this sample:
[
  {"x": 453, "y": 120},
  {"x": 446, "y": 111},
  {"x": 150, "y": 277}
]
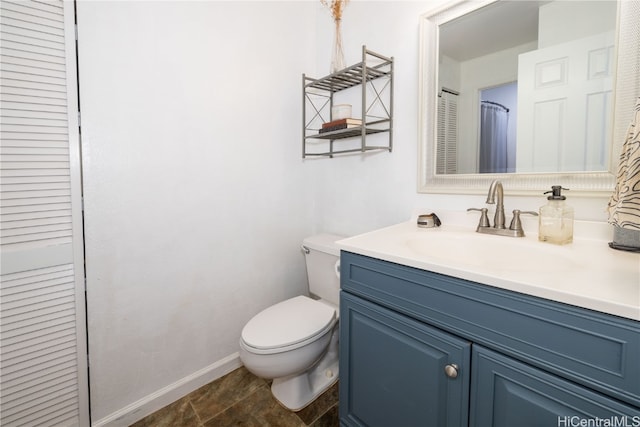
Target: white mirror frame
[{"x": 627, "y": 90}]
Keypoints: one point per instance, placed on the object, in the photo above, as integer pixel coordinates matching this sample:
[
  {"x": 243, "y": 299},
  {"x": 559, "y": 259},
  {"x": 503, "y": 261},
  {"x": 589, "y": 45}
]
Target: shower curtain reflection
[{"x": 494, "y": 120}]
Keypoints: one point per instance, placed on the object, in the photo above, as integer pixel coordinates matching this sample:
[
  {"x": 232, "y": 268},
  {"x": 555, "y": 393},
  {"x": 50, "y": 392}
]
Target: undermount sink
[{"x": 495, "y": 252}]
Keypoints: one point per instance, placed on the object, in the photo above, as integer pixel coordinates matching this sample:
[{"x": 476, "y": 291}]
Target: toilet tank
[{"x": 323, "y": 259}]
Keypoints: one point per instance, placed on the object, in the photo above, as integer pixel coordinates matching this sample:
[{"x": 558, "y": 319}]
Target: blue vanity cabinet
[
  {"x": 392, "y": 370},
  {"x": 532, "y": 360}
]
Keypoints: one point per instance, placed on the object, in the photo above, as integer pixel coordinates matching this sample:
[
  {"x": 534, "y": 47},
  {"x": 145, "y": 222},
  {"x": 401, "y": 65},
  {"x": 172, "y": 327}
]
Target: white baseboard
[{"x": 166, "y": 395}]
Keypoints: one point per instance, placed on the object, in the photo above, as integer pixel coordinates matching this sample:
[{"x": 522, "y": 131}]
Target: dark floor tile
[
  {"x": 328, "y": 419},
  {"x": 260, "y": 409},
  {"x": 178, "y": 414},
  {"x": 242, "y": 399},
  {"x": 213, "y": 398},
  {"x": 319, "y": 406}
]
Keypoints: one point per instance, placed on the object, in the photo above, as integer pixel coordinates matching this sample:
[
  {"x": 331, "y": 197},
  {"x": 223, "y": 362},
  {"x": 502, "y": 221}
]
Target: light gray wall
[{"x": 196, "y": 198}]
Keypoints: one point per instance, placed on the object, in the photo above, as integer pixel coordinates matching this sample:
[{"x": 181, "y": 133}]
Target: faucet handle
[
  {"x": 516, "y": 224},
  {"x": 484, "y": 219}
]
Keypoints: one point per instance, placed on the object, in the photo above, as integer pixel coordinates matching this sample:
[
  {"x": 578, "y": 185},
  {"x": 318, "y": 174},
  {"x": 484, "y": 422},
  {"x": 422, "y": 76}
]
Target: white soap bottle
[{"x": 556, "y": 218}]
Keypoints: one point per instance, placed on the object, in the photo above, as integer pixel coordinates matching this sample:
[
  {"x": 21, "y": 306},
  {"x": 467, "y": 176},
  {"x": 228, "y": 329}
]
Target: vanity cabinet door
[
  {"x": 392, "y": 370},
  {"x": 506, "y": 393}
]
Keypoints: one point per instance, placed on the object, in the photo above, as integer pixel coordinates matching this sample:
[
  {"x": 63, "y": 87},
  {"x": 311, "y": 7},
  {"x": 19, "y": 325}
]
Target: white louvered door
[
  {"x": 447, "y": 137},
  {"x": 43, "y": 360}
]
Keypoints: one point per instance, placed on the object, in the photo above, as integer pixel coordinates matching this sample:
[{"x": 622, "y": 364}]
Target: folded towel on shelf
[{"x": 624, "y": 204}]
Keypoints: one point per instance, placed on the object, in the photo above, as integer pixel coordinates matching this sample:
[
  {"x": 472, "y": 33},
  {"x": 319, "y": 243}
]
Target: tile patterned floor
[{"x": 242, "y": 399}]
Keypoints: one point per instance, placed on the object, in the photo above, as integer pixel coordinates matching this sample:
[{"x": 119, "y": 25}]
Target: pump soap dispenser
[{"x": 556, "y": 218}]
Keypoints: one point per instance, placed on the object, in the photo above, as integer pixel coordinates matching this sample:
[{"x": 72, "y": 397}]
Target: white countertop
[{"x": 586, "y": 273}]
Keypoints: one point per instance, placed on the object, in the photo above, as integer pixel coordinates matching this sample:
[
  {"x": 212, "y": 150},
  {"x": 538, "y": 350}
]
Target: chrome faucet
[
  {"x": 496, "y": 187},
  {"x": 515, "y": 228}
]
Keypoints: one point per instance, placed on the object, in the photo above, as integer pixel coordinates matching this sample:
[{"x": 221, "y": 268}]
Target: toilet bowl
[
  {"x": 295, "y": 342},
  {"x": 300, "y": 354}
]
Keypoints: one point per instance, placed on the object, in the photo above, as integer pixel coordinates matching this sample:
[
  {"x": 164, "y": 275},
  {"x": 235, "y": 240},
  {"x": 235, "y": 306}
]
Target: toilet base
[{"x": 297, "y": 391}]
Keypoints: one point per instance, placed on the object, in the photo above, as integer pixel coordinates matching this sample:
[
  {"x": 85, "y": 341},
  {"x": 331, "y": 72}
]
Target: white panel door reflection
[{"x": 565, "y": 122}]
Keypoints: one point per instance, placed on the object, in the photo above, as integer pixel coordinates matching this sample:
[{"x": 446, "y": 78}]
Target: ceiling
[{"x": 518, "y": 19}]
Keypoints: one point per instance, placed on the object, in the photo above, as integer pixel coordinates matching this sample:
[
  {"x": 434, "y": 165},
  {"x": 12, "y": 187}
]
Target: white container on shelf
[{"x": 340, "y": 111}]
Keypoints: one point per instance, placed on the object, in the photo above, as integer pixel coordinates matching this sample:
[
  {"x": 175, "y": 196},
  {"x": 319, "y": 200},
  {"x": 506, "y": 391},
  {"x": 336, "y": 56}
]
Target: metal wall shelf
[{"x": 375, "y": 76}]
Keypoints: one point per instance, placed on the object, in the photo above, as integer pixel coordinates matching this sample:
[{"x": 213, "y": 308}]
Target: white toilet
[{"x": 295, "y": 342}]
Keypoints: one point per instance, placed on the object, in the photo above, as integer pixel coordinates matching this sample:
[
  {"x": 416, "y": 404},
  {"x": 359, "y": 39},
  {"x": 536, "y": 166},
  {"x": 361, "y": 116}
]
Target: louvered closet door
[
  {"x": 43, "y": 372},
  {"x": 447, "y": 137}
]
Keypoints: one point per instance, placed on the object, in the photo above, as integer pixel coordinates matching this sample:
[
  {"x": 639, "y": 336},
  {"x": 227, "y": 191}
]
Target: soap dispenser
[{"x": 556, "y": 218}]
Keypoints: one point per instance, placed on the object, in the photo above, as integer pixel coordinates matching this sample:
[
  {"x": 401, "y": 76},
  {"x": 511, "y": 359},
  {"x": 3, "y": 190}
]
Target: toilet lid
[{"x": 287, "y": 323}]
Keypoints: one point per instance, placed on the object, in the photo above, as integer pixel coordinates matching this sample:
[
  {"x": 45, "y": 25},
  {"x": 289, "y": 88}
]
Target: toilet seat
[{"x": 288, "y": 325}]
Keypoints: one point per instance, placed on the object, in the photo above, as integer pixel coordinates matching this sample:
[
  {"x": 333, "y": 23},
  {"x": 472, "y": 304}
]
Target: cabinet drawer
[{"x": 594, "y": 349}]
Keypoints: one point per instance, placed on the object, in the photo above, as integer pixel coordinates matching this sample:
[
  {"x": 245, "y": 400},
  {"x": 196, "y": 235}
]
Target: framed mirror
[{"x": 558, "y": 94}]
